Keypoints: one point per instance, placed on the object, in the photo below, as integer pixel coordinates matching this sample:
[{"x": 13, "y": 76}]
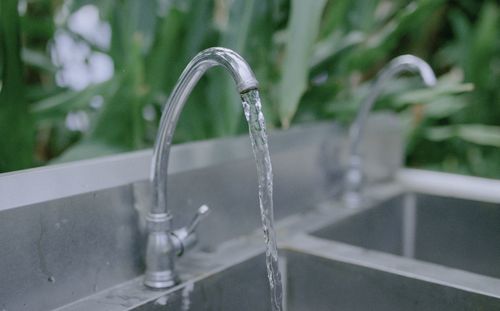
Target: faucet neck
[
  {"x": 245, "y": 81},
  {"x": 409, "y": 63}
]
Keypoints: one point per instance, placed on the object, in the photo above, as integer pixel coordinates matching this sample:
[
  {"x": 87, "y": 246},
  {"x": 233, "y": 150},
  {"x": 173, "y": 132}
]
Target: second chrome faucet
[{"x": 353, "y": 179}]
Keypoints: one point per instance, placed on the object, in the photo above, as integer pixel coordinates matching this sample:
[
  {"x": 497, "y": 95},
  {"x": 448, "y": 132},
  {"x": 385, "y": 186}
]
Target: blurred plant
[
  {"x": 16, "y": 139},
  {"x": 314, "y": 60}
]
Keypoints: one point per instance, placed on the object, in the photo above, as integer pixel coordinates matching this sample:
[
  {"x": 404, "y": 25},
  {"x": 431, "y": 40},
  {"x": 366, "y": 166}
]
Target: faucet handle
[
  {"x": 203, "y": 211},
  {"x": 185, "y": 237}
]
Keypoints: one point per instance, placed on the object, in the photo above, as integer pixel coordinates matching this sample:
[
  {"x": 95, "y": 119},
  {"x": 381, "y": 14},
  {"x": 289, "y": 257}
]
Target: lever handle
[
  {"x": 185, "y": 237},
  {"x": 202, "y": 212}
]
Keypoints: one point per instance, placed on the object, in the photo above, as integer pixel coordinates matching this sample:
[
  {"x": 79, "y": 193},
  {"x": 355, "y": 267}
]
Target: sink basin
[
  {"x": 457, "y": 233},
  {"x": 401, "y": 254},
  {"x": 318, "y": 283}
]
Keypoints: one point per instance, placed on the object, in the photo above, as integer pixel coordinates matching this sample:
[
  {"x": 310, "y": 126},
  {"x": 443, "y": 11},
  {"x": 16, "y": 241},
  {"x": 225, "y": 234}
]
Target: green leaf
[
  {"x": 58, "y": 105},
  {"x": 37, "y": 59},
  {"x": 16, "y": 124},
  {"x": 486, "y": 135},
  {"x": 444, "y": 107},
  {"x": 427, "y": 94},
  {"x": 303, "y": 29},
  {"x": 335, "y": 44},
  {"x": 480, "y": 134},
  {"x": 483, "y": 47}
]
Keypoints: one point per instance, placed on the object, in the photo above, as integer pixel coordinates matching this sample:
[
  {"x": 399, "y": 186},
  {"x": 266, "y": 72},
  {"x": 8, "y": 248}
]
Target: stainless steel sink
[
  {"x": 354, "y": 263},
  {"x": 457, "y": 233},
  {"x": 313, "y": 281}
]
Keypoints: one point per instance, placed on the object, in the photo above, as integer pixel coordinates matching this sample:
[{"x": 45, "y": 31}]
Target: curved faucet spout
[
  {"x": 162, "y": 245},
  {"x": 245, "y": 81},
  {"x": 399, "y": 64}
]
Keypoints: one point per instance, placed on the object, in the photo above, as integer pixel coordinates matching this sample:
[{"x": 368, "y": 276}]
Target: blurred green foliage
[
  {"x": 314, "y": 60},
  {"x": 16, "y": 150}
]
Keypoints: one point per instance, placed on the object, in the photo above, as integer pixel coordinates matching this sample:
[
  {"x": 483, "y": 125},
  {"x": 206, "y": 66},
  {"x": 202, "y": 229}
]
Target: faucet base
[
  {"x": 160, "y": 252},
  {"x": 160, "y": 279},
  {"x": 352, "y": 199}
]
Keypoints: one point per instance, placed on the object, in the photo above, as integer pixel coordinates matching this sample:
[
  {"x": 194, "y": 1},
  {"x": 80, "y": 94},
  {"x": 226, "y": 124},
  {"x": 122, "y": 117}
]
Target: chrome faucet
[
  {"x": 354, "y": 176},
  {"x": 163, "y": 244}
]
